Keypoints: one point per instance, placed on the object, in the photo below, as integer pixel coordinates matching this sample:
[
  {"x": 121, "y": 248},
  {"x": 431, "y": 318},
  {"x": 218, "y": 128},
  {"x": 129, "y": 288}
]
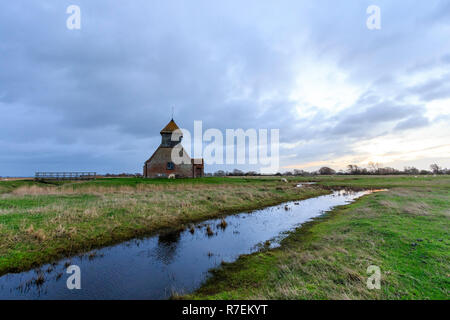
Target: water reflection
[
  {"x": 167, "y": 246},
  {"x": 299, "y": 185}
]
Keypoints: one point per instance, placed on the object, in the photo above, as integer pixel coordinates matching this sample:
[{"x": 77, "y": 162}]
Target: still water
[{"x": 158, "y": 266}]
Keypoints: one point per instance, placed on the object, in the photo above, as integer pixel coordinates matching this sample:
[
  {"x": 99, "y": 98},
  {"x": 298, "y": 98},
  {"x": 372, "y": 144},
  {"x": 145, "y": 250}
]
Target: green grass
[
  {"x": 132, "y": 182},
  {"x": 404, "y": 231},
  {"x": 42, "y": 222}
]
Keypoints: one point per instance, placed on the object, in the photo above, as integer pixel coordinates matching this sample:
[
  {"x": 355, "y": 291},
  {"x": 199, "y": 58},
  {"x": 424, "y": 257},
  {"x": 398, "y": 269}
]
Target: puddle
[
  {"x": 305, "y": 184},
  {"x": 156, "y": 267}
]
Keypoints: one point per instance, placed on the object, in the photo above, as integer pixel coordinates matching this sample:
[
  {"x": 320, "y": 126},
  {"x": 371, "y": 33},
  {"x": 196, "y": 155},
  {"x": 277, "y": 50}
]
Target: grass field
[
  {"x": 404, "y": 231},
  {"x": 41, "y": 222}
]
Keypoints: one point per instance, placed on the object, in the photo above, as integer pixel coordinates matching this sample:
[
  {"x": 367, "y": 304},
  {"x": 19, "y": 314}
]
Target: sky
[{"x": 95, "y": 98}]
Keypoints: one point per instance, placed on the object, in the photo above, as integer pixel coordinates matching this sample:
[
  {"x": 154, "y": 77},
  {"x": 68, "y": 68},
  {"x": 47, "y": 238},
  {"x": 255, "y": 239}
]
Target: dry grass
[
  {"x": 242, "y": 192},
  {"x": 416, "y": 202},
  {"x": 39, "y": 235}
]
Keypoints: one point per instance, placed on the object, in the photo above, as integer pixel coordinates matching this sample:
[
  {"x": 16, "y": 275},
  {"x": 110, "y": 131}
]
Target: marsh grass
[
  {"x": 223, "y": 224},
  {"x": 40, "y": 223},
  {"x": 209, "y": 231}
]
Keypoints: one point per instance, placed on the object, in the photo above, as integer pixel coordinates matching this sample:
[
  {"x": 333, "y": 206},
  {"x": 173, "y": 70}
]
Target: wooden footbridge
[{"x": 65, "y": 176}]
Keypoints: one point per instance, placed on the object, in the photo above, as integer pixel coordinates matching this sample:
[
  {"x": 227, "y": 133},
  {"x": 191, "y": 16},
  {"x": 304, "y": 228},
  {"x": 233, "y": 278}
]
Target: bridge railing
[{"x": 65, "y": 175}]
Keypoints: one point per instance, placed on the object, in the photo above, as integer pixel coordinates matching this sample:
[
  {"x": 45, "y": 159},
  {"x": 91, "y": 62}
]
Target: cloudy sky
[{"x": 96, "y": 98}]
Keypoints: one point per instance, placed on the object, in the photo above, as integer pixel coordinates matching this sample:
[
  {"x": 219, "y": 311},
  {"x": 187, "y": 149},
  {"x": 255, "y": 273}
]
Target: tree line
[{"x": 351, "y": 169}]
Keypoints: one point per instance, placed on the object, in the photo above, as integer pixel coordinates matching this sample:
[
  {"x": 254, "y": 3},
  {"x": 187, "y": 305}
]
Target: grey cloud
[
  {"x": 446, "y": 59},
  {"x": 438, "y": 88},
  {"x": 366, "y": 121},
  {"x": 413, "y": 122}
]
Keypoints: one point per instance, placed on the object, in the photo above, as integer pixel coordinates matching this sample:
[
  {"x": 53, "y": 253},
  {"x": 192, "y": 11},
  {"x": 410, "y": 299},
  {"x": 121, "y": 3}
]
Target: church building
[{"x": 161, "y": 164}]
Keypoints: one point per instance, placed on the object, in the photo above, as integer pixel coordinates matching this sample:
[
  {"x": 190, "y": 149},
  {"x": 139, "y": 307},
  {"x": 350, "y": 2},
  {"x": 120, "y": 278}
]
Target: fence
[{"x": 65, "y": 175}]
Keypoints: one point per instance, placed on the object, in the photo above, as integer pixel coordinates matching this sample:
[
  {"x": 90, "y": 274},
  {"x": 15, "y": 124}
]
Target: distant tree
[
  {"x": 326, "y": 171},
  {"x": 287, "y": 173},
  {"x": 388, "y": 170},
  {"x": 237, "y": 172},
  {"x": 219, "y": 173},
  {"x": 435, "y": 168},
  {"x": 298, "y": 172},
  {"x": 411, "y": 170},
  {"x": 353, "y": 169},
  {"x": 374, "y": 167},
  {"x": 424, "y": 172}
]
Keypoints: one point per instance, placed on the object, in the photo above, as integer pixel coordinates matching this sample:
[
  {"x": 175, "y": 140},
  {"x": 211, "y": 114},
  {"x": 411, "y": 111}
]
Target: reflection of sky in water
[{"x": 155, "y": 267}]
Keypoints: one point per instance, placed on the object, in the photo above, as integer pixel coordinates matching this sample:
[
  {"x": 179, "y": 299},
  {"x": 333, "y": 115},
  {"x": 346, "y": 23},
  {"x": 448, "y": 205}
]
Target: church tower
[
  {"x": 161, "y": 164},
  {"x": 170, "y": 138}
]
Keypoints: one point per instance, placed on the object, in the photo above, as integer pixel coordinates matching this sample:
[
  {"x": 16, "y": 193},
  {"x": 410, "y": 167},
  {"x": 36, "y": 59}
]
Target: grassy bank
[
  {"x": 404, "y": 231},
  {"x": 41, "y": 222}
]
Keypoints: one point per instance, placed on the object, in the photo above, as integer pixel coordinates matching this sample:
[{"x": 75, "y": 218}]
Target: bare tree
[
  {"x": 388, "y": 170},
  {"x": 374, "y": 167},
  {"x": 298, "y": 172},
  {"x": 435, "y": 168},
  {"x": 353, "y": 169},
  {"x": 411, "y": 170}
]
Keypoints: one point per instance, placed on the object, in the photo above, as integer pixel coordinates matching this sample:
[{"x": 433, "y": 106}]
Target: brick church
[{"x": 161, "y": 164}]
